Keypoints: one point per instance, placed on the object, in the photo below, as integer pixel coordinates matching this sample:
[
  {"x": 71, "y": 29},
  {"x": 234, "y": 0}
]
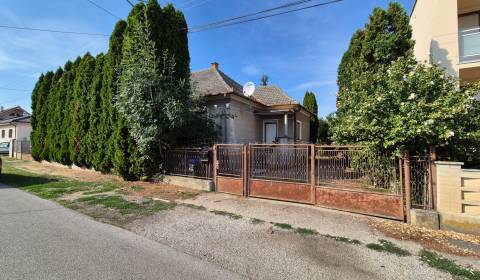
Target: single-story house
[
  {"x": 269, "y": 115},
  {"x": 14, "y": 124}
]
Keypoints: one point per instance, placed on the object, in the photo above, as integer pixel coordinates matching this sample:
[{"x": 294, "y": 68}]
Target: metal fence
[
  {"x": 420, "y": 181},
  {"x": 230, "y": 160},
  {"x": 21, "y": 149},
  {"x": 191, "y": 162},
  {"x": 356, "y": 167},
  {"x": 280, "y": 162}
]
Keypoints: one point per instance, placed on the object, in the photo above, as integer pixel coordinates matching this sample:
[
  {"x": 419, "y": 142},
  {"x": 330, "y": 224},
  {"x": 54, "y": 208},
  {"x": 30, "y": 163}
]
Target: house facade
[
  {"x": 447, "y": 32},
  {"x": 14, "y": 124},
  {"x": 267, "y": 116}
]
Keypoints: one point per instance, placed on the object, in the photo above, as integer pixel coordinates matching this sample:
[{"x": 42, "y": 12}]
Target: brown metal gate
[
  {"x": 281, "y": 172},
  {"x": 230, "y": 168}
]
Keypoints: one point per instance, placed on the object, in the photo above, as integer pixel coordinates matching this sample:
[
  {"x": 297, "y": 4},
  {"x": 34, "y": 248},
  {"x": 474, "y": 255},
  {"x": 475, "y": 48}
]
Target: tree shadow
[{"x": 12, "y": 180}]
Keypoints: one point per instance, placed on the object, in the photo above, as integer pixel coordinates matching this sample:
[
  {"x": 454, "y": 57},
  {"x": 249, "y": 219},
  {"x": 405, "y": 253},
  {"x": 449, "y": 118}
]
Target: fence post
[
  {"x": 214, "y": 167},
  {"x": 312, "y": 173},
  {"x": 245, "y": 169},
  {"x": 408, "y": 190},
  {"x": 432, "y": 190}
]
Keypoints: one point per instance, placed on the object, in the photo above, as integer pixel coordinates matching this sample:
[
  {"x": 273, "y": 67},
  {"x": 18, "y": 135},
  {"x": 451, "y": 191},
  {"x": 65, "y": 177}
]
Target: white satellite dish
[{"x": 248, "y": 89}]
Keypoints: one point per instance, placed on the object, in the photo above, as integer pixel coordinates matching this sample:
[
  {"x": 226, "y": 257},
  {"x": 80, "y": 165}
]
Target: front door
[{"x": 270, "y": 132}]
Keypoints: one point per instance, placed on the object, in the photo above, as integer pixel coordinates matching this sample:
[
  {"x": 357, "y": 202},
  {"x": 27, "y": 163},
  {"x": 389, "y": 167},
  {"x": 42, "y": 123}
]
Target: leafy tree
[
  {"x": 53, "y": 99},
  {"x": 323, "y": 133},
  {"x": 264, "y": 80},
  {"x": 310, "y": 103},
  {"x": 409, "y": 104}
]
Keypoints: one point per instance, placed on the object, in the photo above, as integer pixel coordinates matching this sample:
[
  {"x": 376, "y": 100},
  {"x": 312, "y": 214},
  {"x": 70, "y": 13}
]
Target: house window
[
  {"x": 3, "y": 133},
  {"x": 298, "y": 130},
  {"x": 10, "y": 133}
]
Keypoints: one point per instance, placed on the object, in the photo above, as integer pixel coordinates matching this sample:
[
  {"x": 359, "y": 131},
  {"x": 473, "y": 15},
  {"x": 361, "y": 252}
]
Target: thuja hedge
[{"x": 74, "y": 119}]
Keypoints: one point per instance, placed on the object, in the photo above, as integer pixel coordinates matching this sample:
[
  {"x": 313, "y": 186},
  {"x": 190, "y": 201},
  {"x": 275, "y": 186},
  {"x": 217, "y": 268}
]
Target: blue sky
[{"x": 298, "y": 51}]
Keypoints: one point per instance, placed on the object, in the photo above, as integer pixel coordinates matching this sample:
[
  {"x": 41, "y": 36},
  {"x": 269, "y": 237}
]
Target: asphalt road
[{"x": 41, "y": 240}]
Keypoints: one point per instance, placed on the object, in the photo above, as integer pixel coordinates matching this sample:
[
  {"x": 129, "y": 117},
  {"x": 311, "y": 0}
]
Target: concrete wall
[
  {"x": 458, "y": 197},
  {"x": 435, "y": 31}
]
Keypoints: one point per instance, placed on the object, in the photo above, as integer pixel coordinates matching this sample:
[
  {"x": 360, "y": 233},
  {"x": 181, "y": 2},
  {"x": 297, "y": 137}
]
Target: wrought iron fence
[
  {"x": 280, "y": 162},
  {"x": 230, "y": 160},
  {"x": 191, "y": 162},
  {"x": 420, "y": 181},
  {"x": 356, "y": 167}
]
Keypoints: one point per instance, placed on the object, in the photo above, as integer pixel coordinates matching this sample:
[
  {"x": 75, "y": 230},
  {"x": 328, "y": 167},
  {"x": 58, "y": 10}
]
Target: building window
[
  {"x": 3, "y": 133},
  {"x": 298, "y": 130},
  {"x": 10, "y": 133}
]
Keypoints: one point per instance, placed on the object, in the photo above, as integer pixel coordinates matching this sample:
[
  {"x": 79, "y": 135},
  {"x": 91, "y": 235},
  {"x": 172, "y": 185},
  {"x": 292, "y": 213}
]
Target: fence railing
[
  {"x": 420, "y": 181},
  {"x": 230, "y": 160},
  {"x": 280, "y": 162},
  {"x": 356, "y": 167},
  {"x": 195, "y": 162}
]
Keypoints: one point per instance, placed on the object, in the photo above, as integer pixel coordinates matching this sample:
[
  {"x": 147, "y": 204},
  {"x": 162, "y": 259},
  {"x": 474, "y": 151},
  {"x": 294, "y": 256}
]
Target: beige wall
[
  {"x": 458, "y": 197},
  {"x": 435, "y": 31}
]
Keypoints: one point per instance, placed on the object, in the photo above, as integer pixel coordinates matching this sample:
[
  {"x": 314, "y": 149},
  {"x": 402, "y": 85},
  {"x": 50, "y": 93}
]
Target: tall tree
[
  {"x": 108, "y": 117},
  {"x": 310, "y": 103},
  {"x": 53, "y": 99},
  {"x": 39, "y": 113},
  {"x": 80, "y": 112}
]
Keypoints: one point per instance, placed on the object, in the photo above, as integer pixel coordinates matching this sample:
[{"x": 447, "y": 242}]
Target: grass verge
[
  {"x": 256, "y": 221},
  {"x": 343, "y": 239},
  {"x": 283, "y": 225},
  {"x": 193, "y": 206},
  {"x": 228, "y": 214},
  {"x": 306, "y": 231},
  {"x": 449, "y": 266},
  {"x": 126, "y": 207},
  {"x": 389, "y": 247}
]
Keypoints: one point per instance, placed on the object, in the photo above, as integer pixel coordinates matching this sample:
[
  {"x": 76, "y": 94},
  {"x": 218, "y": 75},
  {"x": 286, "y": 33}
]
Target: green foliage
[
  {"x": 389, "y": 101},
  {"x": 389, "y": 247},
  {"x": 323, "y": 131},
  {"x": 310, "y": 103},
  {"x": 74, "y": 120},
  {"x": 438, "y": 262}
]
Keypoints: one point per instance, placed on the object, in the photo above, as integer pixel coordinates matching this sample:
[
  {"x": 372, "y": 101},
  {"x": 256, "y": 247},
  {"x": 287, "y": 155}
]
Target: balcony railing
[{"x": 469, "y": 44}]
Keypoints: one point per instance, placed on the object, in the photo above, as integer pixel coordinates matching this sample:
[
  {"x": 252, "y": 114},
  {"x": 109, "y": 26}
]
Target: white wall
[{"x": 20, "y": 131}]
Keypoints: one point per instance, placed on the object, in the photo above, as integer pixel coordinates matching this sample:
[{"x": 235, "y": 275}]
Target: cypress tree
[
  {"x": 58, "y": 114},
  {"x": 94, "y": 109},
  {"x": 108, "y": 117},
  {"x": 36, "y": 105},
  {"x": 40, "y": 112},
  {"x": 80, "y": 112},
  {"x": 51, "y": 126},
  {"x": 310, "y": 103}
]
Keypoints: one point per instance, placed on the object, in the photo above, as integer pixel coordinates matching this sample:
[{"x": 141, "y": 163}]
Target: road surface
[{"x": 41, "y": 240}]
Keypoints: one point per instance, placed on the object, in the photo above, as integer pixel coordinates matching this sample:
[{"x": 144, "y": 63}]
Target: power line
[
  {"x": 103, "y": 9},
  {"x": 255, "y": 13},
  {"x": 196, "y": 5},
  {"x": 230, "y": 22},
  {"x": 129, "y": 2},
  {"x": 53, "y": 31}
]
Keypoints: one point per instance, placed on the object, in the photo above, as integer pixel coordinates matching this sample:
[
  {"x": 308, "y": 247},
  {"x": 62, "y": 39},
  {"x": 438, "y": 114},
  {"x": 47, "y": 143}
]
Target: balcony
[{"x": 469, "y": 44}]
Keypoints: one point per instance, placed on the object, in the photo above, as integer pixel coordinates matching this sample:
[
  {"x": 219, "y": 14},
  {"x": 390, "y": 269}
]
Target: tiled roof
[
  {"x": 272, "y": 95},
  {"x": 13, "y": 113},
  {"x": 22, "y": 119},
  {"x": 214, "y": 82}
]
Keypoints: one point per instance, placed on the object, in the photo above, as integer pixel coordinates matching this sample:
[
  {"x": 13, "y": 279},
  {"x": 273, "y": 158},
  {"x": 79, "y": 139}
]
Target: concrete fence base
[{"x": 191, "y": 183}]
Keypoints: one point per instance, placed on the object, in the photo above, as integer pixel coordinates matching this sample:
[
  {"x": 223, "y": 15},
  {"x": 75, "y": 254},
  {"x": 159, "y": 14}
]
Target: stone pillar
[{"x": 449, "y": 182}]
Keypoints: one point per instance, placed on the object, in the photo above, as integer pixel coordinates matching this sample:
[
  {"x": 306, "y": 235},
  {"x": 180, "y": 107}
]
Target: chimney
[{"x": 214, "y": 65}]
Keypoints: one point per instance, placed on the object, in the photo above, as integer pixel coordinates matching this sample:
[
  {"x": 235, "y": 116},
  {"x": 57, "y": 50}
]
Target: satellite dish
[{"x": 248, "y": 89}]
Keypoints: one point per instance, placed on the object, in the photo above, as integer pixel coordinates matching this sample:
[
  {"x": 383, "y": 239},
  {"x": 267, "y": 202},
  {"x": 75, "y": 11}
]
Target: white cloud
[
  {"x": 251, "y": 70},
  {"x": 313, "y": 84}
]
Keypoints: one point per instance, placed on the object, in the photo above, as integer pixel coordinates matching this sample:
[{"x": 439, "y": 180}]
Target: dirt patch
[
  {"x": 439, "y": 240},
  {"x": 160, "y": 190}
]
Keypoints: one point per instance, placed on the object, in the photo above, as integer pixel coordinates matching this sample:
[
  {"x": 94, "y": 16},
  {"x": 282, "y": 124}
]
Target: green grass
[
  {"x": 187, "y": 195},
  {"x": 449, "y": 266},
  {"x": 256, "y": 221},
  {"x": 126, "y": 207},
  {"x": 228, "y": 214},
  {"x": 343, "y": 239},
  {"x": 389, "y": 247},
  {"x": 108, "y": 187},
  {"x": 306, "y": 231},
  {"x": 283, "y": 225},
  {"x": 137, "y": 188},
  {"x": 198, "y": 207}
]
